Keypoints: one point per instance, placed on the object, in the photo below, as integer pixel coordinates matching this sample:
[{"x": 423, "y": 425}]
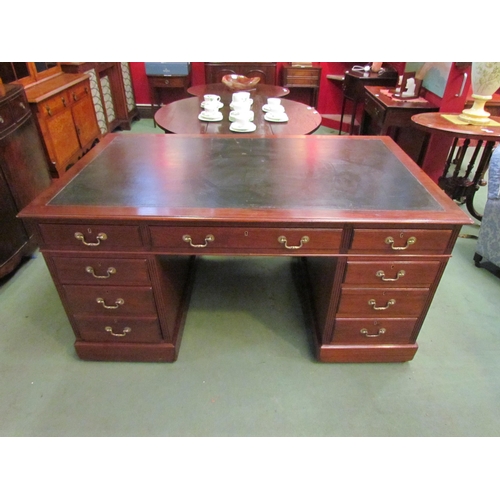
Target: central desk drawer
[
  {"x": 238, "y": 239},
  {"x": 112, "y": 300}
]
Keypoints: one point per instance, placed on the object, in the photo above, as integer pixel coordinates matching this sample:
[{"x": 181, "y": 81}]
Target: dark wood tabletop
[
  {"x": 221, "y": 89},
  {"x": 181, "y": 117}
]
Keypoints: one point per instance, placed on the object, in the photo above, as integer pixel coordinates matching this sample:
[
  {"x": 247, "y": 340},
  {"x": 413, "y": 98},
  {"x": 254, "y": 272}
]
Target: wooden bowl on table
[{"x": 240, "y": 82}]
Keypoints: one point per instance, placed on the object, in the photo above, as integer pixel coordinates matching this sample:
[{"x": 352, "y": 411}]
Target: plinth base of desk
[
  {"x": 366, "y": 354},
  {"x": 102, "y": 351}
]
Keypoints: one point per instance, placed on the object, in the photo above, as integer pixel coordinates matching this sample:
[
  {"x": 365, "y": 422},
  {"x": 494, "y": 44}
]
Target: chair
[{"x": 488, "y": 243}]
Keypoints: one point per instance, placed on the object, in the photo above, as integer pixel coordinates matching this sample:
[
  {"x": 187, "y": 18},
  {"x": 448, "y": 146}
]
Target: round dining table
[
  {"x": 223, "y": 90},
  {"x": 181, "y": 117}
]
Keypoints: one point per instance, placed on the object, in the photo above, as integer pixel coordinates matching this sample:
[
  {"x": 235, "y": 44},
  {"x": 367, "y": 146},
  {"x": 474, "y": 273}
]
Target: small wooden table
[
  {"x": 460, "y": 187},
  {"x": 223, "y": 90},
  {"x": 181, "y": 117},
  {"x": 385, "y": 115}
]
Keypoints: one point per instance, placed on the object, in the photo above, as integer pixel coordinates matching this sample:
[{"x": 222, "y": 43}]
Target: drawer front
[
  {"x": 6, "y": 118},
  {"x": 111, "y": 300},
  {"x": 79, "y": 91},
  {"x": 168, "y": 81},
  {"x": 383, "y": 303},
  {"x": 54, "y": 105},
  {"x": 19, "y": 107},
  {"x": 102, "y": 329},
  {"x": 400, "y": 241},
  {"x": 91, "y": 237},
  {"x": 274, "y": 240},
  {"x": 95, "y": 271},
  {"x": 374, "y": 109},
  {"x": 373, "y": 331},
  {"x": 302, "y": 76},
  {"x": 393, "y": 273}
]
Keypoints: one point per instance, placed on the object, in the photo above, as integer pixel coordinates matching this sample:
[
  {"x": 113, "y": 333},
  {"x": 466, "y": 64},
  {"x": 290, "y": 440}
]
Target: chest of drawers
[{"x": 123, "y": 262}]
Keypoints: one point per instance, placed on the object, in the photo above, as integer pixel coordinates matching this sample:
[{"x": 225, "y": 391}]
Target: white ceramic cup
[
  {"x": 241, "y": 96},
  {"x": 211, "y": 98},
  {"x": 273, "y": 102},
  {"x": 241, "y": 106},
  {"x": 243, "y": 119},
  {"x": 211, "y": 109}
]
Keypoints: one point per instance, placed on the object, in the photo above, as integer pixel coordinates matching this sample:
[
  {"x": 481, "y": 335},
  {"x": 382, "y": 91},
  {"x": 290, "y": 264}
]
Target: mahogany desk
[
  {"x": 181, "y": 117},
  {"x": 121, "y": 230}
]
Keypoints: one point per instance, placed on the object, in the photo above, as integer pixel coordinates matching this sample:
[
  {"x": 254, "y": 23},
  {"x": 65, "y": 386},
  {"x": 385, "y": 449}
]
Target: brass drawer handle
[
  {"x": 381, "y": 275},
  {"x": 75, "y": 97},
  {"x": 2, "y": 120},
  {"x": 22, "y": 105},
  {"x": 100, "y": 237},
  {"x": 364, "y": 332},
  {"x": 109, "y": 272},
  {"x": 303, "y": 240},
  {"x": 63, "y": 101},
  {"x": 390, "y": 241},
  {"x": 373, "y": 303},
  {"x": 109, "y": 329},
  {"x": 118, "y": 303},
  {"x": 49, "y": 111},
  {"x": 167, "y": 81},
  {"x": 208, "y": 239}
]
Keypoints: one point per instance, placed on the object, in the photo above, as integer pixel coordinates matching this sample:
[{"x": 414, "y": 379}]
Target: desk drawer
[
  {"x": 392, "y": 273},
  {"x": 19, "y": 107},
  {"x": 269, "y": 240},
  {"x": 102, "y": 329},
  {"x": 400, "y": 241},
  {"x": 383, "y": 303},
  {"x": 95, "y": 237},
  {"x": 111, "y": 300},
  {"x": 55, "y": 104},
  {"x": 375, "y": 110},
  {"x": 373, "y": 331},
  {"x": 6, "y": 118},
  {"x": 96, "y": 271}
]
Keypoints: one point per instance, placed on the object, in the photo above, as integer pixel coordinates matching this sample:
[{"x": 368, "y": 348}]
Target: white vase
[{"x": 485, "y": 81}]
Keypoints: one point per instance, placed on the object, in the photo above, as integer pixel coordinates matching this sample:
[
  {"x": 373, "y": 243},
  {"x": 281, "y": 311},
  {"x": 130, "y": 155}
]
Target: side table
[
  {"x": 159, "y": 82},
  {"x": 353, "y": 87},
  {"x": 461, "y": 184},
  {"x": 303, "y": 77},
  {"x": 385, "y": 115}
]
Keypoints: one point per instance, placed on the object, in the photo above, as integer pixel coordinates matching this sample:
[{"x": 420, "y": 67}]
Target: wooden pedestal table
[{"x": 461, "y": 185}]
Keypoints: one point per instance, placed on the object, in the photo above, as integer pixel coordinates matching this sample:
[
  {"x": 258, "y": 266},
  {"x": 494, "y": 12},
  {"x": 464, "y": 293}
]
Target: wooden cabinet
[
  {"x": 112, "y": 92},
  {"x": 24, "y": 173},
  {"x": 63, "y": 107},
  {"x": 303, "y": 77},
  {"x": 214, "y": 71}
]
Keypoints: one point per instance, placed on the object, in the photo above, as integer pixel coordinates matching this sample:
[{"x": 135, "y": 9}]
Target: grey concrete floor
[{"x": 246, "y": 366}]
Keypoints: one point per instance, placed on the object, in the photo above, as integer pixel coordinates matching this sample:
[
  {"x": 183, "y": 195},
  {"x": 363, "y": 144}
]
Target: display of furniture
[
  {"x": 214, "y": 71},
  {"x": 488, "y": 243},
  {"x": 63, "y": 107},
  {"x": 159, "y": 83},
  {"x": 353, "y": 87},
  {"x": 463, "y": 181},
  {"x": 384, "y": 114},
  {"x": 181, "y": 117},
  {"x": 368, "y": 232},
  {"x": 24, "y": 174},
  {"x": 303, "y": 77},
  {"x": 112, "y": 92},
  {"x": 222, "y": 90}
]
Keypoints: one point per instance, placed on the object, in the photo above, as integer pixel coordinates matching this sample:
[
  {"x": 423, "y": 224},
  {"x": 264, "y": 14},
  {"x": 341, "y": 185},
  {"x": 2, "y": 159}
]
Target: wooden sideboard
[
  {"x": 112, "y": 92},
  {"x": 302, "y": 77},
  {"x": 214, "y": 71},
  {"x": 63, "y": 107},
  {"x": 24, "y": 174},
  {"x": 369, "y": 232}
]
